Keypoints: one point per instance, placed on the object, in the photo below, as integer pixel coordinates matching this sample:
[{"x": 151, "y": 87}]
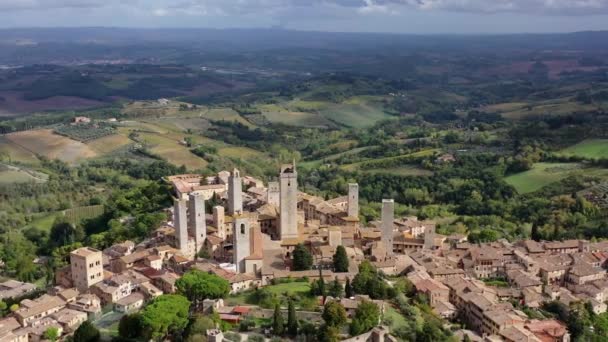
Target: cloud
[{"x": 277, "y": 8}]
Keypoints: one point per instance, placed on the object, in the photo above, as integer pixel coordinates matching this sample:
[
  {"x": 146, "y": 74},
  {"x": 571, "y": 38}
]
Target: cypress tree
[
  {"x": 292, "y": 320},
  {"x": 348, "y": 289},
  {"x": 340, "y": 260},
  {"x": 277, "y": 321}
]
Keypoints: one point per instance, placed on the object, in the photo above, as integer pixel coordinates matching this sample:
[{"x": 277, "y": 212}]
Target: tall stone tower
[
  {"x": 197, "y": 223},
  {"x": 388, "y": 216},
  {"x": 274, "y": 193},
  {"x": 180, "y": 224},
  {"x": 87, "y": 267},
  {"x": 429, "y": 237},
  {"x": 241, "y": 242},
  {"x": 219, "y": 220},
  {"x": 288, "y": 184},
  {"x": 235, "y": 193},
  {"x": 353, "y": 200}
]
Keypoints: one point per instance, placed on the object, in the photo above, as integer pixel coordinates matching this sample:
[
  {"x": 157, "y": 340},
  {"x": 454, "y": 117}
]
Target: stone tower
[
  {"x": 429, "y": 237},
  {"x": 241, "y": 243},
  {"x": 219, "y": 220},
  {"x": 388, "y": 216},
  {"x": 274, "y": 193},
  {"x": 198, "y": 224},
  {"x": 288, "y": 184},
  {"x": 180, "y": 224},
  {"x": 87, "y": 267},
  {"x": 235, "y": 193},
  {"x": 353, "y": 200}
]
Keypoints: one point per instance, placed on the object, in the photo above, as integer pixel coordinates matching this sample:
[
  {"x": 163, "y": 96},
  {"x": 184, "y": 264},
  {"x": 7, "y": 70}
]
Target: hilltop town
[{"x": 255, "y": 234}]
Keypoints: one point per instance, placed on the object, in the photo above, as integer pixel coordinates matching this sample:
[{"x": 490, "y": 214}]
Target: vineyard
[
  {"x": 76, "y": 215},
  {"x": 85, "y": 132}
]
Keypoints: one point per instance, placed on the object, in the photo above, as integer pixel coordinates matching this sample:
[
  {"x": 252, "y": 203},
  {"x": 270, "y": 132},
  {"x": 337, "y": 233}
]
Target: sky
[{"x": 399, "y": 16}]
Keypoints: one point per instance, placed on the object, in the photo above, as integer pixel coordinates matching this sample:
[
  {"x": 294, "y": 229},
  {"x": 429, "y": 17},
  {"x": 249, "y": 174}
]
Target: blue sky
[{"x": 402, "y": 16}]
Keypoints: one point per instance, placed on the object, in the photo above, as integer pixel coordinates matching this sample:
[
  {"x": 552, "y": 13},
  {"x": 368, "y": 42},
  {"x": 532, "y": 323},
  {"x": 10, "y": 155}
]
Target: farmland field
[
  {"x": 172, "y": 151},
  {"x": 13, "y": 152},
  {"x": 543, "y": 174},
  {"x": 13, "y": 174},
  {"x": 357, "y": 114},
  {"x": 303, "y": 119},
  {"x": 591, "y": 148},
  {"x": 44, "y": 142},
  {"x": 406, "y": 170},
  {"x": 108, "y": 144}
]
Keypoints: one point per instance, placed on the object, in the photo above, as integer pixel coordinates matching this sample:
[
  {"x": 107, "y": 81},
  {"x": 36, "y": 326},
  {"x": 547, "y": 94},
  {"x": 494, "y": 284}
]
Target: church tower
[
  {"x": 242, "y": 242},
  {"x": 288, "y": 184},
  {"x": 235, "y": 193}
]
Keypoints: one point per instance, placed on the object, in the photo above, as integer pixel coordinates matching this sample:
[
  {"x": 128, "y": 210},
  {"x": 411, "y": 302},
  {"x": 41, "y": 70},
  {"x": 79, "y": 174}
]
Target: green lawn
[
  {"x": 44, "y": 221},
  {"x": 293, "y": 288},
  {"x": 393, "y": 318},
  {"x": 590, "y": 148},
  {"x": 540, "y": 175},
  {"x": 299, "y": 288}
]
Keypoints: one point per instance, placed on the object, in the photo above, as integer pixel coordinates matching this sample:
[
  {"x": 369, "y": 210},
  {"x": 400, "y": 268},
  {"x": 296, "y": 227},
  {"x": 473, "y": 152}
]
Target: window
[
  {"x": 242, "y": 228},
  {"x": 97, "y": 263},
  {"x": 90, "y": 265}
]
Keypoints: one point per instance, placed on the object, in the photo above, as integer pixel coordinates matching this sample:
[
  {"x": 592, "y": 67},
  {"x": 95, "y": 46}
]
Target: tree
[
  {"x": 348, "y": 289},
  {"x": 367, "y": 316},
  {"x": 277, "y": 321},
  {"x": 198, "y": 286},
  {"x": 340, "y": 260},
  {"x": 302, "y": 260},
  {"x": 65, "y": 233},
  {"x": 86, "y": 332},
  {"x": 200, "y": 325},
  {"x": 335, "y": 289},
  {"x": 3, "y": 307},
  {"x": 292, "y": 319},
  {"x": 51, "y": 334},
  {"x": 165, "y": 315},
  {"x": 328, "y": 334},
  {"x": 334, "y": 314},
  {"x": 130, "y": 326}
]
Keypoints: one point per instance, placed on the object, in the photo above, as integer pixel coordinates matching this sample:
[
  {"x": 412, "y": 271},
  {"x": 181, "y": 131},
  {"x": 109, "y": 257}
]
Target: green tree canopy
[
  {"x": 130, "y": 326},
  {"x": 86, "y": 332},
  {"x": 166, "y": 314},
  {"x": 198, "y": 286},
  {"x": 302, "y": 260},
  {"x": 334, "y": 314},
  {"x": 367, "y": 316},
  {"x": 340, "y": 260}
]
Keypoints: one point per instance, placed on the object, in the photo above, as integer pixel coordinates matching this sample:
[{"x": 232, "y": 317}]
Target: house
[
  {"x": 33, "y": 310},
  {"x": 15, "y": 289},
  {"x": 9, "y": 331},
  {"x": 70, "y": 319},
  {"x": 130, "y": 303}
]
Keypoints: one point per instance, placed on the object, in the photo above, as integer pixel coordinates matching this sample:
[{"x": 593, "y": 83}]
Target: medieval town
[{"x": 250, "y": 236}]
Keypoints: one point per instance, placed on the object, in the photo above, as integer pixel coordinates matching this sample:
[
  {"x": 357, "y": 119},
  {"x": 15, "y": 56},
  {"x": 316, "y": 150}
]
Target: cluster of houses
[{"x": 247, "y": 236}]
